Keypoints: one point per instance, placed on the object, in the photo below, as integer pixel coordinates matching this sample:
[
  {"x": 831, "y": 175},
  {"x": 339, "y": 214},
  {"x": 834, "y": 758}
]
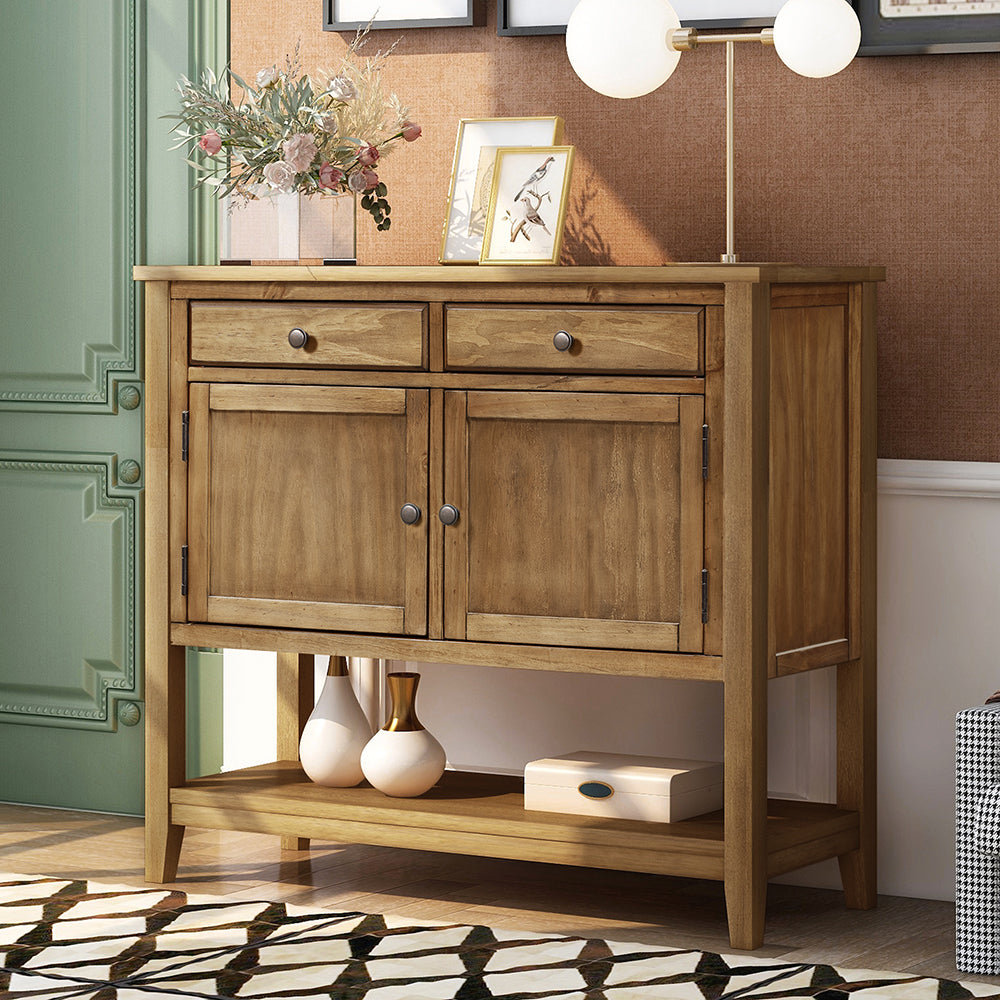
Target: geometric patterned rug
[{"x": 62, "y": 939}]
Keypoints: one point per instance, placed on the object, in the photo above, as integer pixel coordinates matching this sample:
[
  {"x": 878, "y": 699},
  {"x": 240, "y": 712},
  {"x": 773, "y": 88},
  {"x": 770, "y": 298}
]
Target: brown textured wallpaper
[{"x": 894, "y": 161}]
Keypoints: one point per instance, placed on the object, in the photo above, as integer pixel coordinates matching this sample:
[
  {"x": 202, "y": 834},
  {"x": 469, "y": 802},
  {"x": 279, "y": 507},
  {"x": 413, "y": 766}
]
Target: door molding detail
[
  {"x": 113, "y": 350},
  {"x": 104, "y": 675}
]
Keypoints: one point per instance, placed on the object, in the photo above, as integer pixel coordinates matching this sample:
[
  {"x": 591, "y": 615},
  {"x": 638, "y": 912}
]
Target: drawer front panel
[
  {"x": 643, "y": 339},
  {"x": 340, "y": 335}
]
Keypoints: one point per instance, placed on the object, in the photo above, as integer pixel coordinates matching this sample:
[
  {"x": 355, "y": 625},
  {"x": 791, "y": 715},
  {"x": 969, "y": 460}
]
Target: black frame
[
  {"x": 884, "y": 36},
  {"x": 560, "y": 29},
  {"x": 330, "y": 23}
]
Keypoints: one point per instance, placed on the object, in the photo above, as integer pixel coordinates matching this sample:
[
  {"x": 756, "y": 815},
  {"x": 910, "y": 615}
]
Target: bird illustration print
[{"x": 535, "y": 178}]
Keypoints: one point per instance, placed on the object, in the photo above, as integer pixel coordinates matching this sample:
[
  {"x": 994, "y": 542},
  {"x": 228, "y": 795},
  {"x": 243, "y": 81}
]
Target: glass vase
[{"x": 277, "y": 228}]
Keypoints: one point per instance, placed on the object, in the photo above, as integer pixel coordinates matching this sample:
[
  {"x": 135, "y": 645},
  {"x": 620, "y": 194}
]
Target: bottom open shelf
[{"x": 484, "y": 814}]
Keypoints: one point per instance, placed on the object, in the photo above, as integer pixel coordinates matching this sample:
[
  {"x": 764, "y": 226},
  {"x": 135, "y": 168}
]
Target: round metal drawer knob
[
  {"x": 410, "y": 513},
  {"x": 448, "y": 514},
  {"x": 562, "y": 341},
  {"x": 298, "y": 337}
]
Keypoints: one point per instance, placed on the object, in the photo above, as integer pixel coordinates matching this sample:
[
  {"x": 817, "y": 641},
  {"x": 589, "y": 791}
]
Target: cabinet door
[
  {"x": 294, "y": 497},
  {"x": 581, "y": 519}
]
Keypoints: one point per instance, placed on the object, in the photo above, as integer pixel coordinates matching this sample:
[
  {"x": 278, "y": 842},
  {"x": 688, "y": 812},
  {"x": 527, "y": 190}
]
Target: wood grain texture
[
  {"x": 808, "y": 478},
  {"x": 715, "y": 372},
  {"x": 572, "y": 659},
  {"x": 178, "y": 403},
  {"x": 514, "y": 277},
  {"x": 577, "y": 483},
  {"x": 584, "y": 522},
  {"x": 164, "y": 663},
  {"x": 342, "y": 335},
  {"x": 744, "y": 630},
  {"x": 275, "y": 459},
  {"x": 482, "y": 814},
  {"x": 857, "y": 681},
  {"x": 511, "y": 338},
  {"x": 294, "y": 701}
]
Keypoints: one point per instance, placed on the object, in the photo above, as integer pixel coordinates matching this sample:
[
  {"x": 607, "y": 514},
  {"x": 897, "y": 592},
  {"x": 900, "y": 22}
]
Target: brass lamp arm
[{"x": 686, "y": 39}]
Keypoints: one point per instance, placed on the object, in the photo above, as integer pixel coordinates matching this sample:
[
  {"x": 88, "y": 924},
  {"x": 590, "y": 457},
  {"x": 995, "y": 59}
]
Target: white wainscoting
[{"x": 939, "y": 651}]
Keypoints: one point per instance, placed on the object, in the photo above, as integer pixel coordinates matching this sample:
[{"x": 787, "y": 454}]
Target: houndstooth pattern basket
[{"x": 977, "y": 840}]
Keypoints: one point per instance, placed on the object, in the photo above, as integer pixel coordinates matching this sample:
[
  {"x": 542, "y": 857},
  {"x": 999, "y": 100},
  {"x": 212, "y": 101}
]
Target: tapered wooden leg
[
  {"x": 856, "y": 779},
  {"x": 744, "y": 629},
  {"x": 165, "y": 744},
  {"x": 856, "y": 680},
  {"x": 296, "y": 697}
]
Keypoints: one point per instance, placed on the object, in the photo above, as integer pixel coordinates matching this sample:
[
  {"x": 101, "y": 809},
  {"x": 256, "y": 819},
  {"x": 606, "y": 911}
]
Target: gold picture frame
[
  {"x": 528, "y": 202},
  {"x": 471, "y": 177}
]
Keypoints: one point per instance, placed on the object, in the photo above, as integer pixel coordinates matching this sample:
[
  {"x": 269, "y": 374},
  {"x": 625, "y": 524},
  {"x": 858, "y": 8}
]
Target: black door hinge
[
  {"x": 185, "y": 434},
  {"x": 184, "y": 570},
  {"x": 704, "y": 451},
  {"x": 704, "y": 597}
]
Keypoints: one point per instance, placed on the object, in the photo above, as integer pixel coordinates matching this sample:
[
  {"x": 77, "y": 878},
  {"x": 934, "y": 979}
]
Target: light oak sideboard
[{"x": 656, "y": 471}]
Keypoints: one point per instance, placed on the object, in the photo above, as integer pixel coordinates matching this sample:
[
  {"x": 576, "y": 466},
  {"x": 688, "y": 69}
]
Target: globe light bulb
[
  {"x": 625, "y": 51},
  {"x": 817, "y": 37}
]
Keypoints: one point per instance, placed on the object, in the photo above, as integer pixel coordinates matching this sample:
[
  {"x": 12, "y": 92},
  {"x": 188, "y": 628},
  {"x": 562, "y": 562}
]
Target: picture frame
[
  {"x": 471, "y": 177},
  {"x": 350, "y": 15},
  {"x": 549, "y": 17},
  {"x": 528, "y": 202},
  {"x": 918, "y": 29}
]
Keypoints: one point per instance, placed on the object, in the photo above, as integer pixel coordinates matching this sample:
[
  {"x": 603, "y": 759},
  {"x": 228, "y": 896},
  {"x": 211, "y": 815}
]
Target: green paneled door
[{"x": 91, "y": 190}]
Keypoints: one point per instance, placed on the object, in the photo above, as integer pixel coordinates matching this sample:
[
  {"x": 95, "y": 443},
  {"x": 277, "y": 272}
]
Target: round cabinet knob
[
  {"x": 448, "y": 514},
  {"x": 410, "y": 513},
  {"x": 298, "y": 337},
  {"x": 562, "y": 341}
]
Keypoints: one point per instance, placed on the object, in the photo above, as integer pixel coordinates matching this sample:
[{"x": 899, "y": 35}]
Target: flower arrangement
[{"x": 290, "y": 132}]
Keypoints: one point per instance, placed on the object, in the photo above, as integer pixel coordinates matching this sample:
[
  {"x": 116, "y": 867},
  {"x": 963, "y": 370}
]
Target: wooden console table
[{"x": 666, "y": 472}]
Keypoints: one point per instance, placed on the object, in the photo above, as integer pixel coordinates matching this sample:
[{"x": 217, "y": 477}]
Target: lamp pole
[{"x": 685, "y": 39}]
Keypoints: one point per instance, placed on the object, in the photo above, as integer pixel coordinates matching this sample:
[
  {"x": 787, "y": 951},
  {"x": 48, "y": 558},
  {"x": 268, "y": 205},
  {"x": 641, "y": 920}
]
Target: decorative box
[{"x": 656, "y": 789}]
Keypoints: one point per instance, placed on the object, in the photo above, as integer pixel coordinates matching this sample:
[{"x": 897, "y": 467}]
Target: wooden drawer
[
  {"x": 647, "y": 339},
  {"x": 340, "y": 335}
]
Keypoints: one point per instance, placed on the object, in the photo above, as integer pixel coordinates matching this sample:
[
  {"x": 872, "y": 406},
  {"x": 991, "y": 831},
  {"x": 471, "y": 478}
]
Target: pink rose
[
  {"x": 368, "y": 156},
  {"x": 280, "y": 176},
  {"x": 300, "y": 151},
  {"x": 363, "y": 180},
  {"x": 411, "y": 131},
  {"x": 210, "y": 142},
  {"x": 330, "y": 176}
]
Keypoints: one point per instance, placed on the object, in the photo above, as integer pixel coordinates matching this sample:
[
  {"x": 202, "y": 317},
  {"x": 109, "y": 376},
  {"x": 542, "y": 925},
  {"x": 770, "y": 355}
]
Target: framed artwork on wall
[
  {"x": 472, "y": 177},
  {"x": 528, "y": 201},
  {"x": 349, "y": 15},
  {"x": 898, "y": 27},
  {"x": 549, "y": 17}
]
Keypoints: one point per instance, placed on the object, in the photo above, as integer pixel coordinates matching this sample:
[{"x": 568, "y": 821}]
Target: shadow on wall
[{"x": 583, "y": 243}]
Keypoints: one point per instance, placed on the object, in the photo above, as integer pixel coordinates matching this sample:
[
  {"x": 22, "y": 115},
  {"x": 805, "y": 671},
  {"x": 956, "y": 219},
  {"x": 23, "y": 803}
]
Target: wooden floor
[{"x": 808, "y": 925}]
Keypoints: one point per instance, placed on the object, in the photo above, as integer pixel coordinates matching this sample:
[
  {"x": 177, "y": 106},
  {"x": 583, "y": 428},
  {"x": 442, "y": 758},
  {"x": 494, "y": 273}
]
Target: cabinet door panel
[
  {"x": 294, "y": 496},
  {"x": 581, "y": 519}
]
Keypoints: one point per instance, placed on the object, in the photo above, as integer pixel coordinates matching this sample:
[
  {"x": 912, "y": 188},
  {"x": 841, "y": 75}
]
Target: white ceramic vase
[
  {"x": 402, "y": 759},
  {"x": 336, "y": 732}
]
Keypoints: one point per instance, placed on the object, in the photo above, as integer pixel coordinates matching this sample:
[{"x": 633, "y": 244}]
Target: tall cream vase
[
  {"x": 402, "y": 759},
  {"x": 336, "y": 732}
]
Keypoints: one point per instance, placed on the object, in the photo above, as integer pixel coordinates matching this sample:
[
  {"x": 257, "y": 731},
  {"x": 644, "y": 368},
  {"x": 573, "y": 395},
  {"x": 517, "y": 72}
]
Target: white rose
[
  {"x": 342, "y": 89},
  {"x": 329, "y": 124},
  {"x": 300, "y": 151},
  {"x": 268, "y": 77},
  {"x": 280, "y": 176}
]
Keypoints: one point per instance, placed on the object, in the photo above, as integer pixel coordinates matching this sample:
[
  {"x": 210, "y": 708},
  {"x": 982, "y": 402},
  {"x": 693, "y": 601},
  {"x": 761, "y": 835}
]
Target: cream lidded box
[{"x": 623, "y": 786}]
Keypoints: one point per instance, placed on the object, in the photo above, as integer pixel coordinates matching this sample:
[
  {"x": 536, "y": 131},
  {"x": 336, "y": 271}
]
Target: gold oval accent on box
[{"x": 607, "y": 790}]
